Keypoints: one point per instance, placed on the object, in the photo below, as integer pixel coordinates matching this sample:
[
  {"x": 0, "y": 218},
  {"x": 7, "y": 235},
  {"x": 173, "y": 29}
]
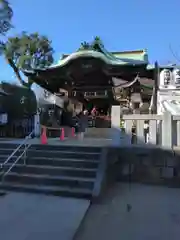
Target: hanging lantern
[
  {"x": 165, "y": 77},
  {"x": 176, "y": 76}
]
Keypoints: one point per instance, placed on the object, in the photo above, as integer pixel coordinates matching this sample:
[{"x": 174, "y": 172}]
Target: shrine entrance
[
  {"x": 102, "y": 106},
  {"x": 93, "y": 88},
  {"x": 101, "y": 100},
  {"x": 91, "y": 77},
  {"x": 102, "y": 117}
]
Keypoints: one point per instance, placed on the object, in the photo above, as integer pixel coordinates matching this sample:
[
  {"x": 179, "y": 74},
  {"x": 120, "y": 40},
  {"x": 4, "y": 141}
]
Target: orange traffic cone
[
  {"x": 73, "y": 132},
  {"x": 62, "y": 134},
  {"x": 44, "y": 136}
]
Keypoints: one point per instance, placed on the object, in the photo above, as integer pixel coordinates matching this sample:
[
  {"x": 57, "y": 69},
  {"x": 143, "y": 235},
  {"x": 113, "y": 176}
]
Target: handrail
[
  {"x": 15, "y": 151},
  {"x": 14, "y": 163},
  {"x": 19, "y": 157}
]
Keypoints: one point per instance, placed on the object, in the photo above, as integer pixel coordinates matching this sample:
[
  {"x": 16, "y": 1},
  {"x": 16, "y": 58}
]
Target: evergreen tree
[
  {"x": 27, "y": 52},
  {"x": 6, "y": 14},
  {"x": 20, "y": 102}
]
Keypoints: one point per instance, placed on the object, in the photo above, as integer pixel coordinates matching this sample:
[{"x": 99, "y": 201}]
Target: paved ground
[
  {"x": 155, "y": 215},
  {"x": 37, "y": 217},
  {"x": 76, "y": 142}
]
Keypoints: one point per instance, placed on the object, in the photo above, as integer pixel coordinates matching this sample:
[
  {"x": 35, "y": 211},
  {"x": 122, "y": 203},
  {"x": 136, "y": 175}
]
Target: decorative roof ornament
[
  {"x": 97, "y": 40},
  {"x": 94, "y": 45},
  {"x": 85, "y": 46}
]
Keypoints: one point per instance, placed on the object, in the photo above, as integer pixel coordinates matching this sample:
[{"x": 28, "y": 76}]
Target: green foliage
[
  {"x": 6, "y": 14},
  {"x": 20, "y": 102},
  {"x": 29, "y": 51}
]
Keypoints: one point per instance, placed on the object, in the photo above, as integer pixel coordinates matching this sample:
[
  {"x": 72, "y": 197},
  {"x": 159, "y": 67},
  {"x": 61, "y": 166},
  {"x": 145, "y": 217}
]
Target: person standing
[
  {"x": 94, "y": 111},
  {"x": 83, "y": 124},
  {"x": 93, "y": 114},
  {"x": 146, "y": 131}
]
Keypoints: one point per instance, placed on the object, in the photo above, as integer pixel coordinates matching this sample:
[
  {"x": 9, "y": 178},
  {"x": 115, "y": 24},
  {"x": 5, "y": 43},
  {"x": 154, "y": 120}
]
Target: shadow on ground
[{"x": 155, "y": 214}]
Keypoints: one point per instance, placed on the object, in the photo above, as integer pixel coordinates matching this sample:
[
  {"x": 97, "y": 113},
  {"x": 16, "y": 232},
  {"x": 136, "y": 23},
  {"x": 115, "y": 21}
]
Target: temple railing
[{"x": 162, "y": 130}]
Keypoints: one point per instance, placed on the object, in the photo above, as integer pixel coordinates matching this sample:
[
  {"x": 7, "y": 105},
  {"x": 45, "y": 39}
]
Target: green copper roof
[
  {"x": 97, "y": 50},
  {"x": 168, "y": 66},
  {"x": 140, "y": 55},
  {"x": 108, "y": 58}
]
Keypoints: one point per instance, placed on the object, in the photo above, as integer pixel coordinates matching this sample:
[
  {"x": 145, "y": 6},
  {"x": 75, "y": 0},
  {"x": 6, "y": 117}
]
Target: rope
[{"x": 51, "y": 128}]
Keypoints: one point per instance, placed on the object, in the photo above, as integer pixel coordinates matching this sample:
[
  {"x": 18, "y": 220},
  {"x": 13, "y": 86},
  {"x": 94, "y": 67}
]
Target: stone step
[
  {"x": 66, "y": 148},
  {"x": 4, "y": 157},
  {"x": 48, "y": 190},
  {"x": 8, "y": 145},
  {"x": 75, "y": 182},
  {"x": 63, "y": 154},
  {"x": 5, "y": 153},
  {"x": 9, "y": 151},
  {"x": 63, "y": 162},
  {"x": 54, "y": 170}
]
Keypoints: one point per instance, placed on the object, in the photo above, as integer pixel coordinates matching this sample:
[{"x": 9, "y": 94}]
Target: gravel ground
[{"x": 155, "y": 214}]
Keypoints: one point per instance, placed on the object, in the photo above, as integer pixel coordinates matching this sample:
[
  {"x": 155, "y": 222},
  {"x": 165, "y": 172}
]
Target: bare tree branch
[{"x": 174, "y": 54}]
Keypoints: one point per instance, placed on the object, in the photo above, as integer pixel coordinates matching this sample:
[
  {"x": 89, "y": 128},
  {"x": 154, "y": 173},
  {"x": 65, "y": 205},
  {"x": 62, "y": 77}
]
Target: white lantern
[
  {"x": 176, "y": 76},
  {"x": 165, "y": 77}
]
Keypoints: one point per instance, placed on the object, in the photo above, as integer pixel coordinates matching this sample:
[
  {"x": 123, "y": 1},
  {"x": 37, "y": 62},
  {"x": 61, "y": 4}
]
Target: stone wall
[{"x": 145, "y": 165}]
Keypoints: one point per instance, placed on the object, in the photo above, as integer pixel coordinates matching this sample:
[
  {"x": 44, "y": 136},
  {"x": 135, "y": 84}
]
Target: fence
[
  {"x": 163, "y": 130},
  {"x": 18, "y": 128}
]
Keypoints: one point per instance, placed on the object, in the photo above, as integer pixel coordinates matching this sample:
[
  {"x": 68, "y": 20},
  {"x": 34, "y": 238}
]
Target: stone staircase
[
  {"x": 55, "y": 170},
  {"x": 6, "y": 150},
  {"x": 98, "y": 133}
]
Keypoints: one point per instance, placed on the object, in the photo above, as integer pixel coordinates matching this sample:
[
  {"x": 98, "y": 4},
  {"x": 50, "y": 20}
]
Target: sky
[{"x": 122, "y": 25}]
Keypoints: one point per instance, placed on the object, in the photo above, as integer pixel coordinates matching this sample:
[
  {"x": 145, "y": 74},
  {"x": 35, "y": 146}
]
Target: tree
[
  {"x": 6, "y": 14},
  {"x": 27, "y": 52},
  {"x": 20, "y": 102}
]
